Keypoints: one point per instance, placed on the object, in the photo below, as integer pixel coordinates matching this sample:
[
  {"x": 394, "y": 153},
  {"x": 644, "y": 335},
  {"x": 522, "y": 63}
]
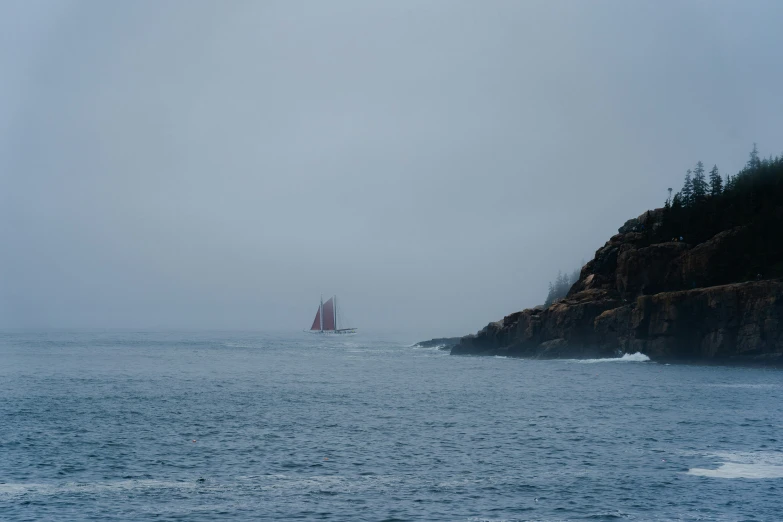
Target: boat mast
[
  {"x": 321, "y": 313},
  {"x": 335, "y": 313}
]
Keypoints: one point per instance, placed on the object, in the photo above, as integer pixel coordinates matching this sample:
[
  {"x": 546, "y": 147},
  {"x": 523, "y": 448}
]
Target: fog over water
[{"x": 190, "y": 164}]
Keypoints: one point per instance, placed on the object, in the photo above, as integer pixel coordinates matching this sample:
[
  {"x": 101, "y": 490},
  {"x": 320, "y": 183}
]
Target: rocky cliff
[{"x": 669, "y": 300}]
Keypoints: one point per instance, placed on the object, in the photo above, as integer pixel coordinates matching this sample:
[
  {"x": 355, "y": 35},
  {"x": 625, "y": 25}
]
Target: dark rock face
[
  {"x": 721, "y": 260},
  {"x": 741, "y": 320},
  {"x": 736, "y": 320},
  {"x": 644, "y": 270},
  {"x": 668, "y": 300},
  {"x": 565, "y": 329}
]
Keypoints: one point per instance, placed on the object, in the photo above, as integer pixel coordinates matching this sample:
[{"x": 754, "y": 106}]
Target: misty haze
[
  {"x": 552, "y": 229},
  {"x": 432, "y": 163}
]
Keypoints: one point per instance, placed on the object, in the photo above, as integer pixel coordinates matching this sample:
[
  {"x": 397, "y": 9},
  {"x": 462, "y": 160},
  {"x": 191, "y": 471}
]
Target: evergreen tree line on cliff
[
  {"x": 708, "y": 204},
  {"x": 561, "y": 286},
  {"x": 698, "y": 187}
]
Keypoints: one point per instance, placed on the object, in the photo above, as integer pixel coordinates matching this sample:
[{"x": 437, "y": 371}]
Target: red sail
[
  {"x": 317, "y": 322},
  {"x": 329, "y": 315}
]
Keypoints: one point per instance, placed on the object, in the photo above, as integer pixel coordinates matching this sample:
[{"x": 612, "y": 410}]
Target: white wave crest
[
  {"x": 434, "y": 348},
  {"x": 745, "y": 385},
  {"x": 88, "y": 487},
  {"x": 765, "y": 465},
  {"x": 628, "y": 357}
]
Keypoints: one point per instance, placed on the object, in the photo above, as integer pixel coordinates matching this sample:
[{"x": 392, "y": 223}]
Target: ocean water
[{"x": 250, "y": 426}]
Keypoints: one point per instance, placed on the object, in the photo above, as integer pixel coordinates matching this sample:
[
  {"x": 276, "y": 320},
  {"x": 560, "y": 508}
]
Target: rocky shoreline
[{"x": 670, "y": 300}]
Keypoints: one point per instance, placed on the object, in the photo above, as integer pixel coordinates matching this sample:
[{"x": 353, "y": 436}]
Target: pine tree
[
  {"x": 677, "y": 201},
  {"x": 716, "y": 182},
  {"x": 731, "y": 182},
  {"x": 562, "y": 284},
  {"x": 550, "y": 297},
  {"x": 699, "y": 182},
  {"x": 754, "y": 161},
  {"x": 687, "y": 190}
]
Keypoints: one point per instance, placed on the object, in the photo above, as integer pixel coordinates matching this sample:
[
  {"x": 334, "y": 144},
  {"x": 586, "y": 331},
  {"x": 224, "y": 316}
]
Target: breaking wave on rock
[{"x": 628, "y": 357}]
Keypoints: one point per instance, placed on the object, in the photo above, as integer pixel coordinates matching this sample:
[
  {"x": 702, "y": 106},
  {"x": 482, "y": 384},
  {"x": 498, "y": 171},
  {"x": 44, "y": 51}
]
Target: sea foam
[
  {"x": 628, "y": 357},
  {"x": 744, "y": 465}
]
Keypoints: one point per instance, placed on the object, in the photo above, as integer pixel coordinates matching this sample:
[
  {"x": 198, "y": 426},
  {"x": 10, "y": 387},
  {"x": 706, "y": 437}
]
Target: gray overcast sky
[{"x": 434, "y": 163}]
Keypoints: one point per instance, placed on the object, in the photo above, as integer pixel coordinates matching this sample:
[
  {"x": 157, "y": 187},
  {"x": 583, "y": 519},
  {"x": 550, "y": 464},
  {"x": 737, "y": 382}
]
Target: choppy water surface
[{"x": 194, "y": 426}]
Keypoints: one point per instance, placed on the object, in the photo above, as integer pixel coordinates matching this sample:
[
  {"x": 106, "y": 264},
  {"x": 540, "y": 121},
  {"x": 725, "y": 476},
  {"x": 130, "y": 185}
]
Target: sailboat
[{"x": 326, "y": 319}]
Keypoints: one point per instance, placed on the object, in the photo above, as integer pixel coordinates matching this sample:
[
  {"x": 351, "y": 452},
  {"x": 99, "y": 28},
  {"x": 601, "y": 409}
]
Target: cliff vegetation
[{"x": 698, "y": 278}]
